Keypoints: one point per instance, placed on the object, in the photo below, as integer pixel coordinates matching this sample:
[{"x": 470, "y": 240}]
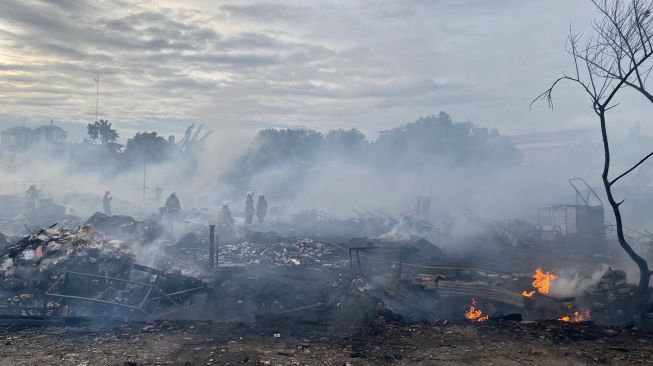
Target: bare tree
[{"x": 616, "y": 56}]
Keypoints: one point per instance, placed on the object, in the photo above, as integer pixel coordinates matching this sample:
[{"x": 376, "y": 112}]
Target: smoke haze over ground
[{"x": 463, "y": 167}]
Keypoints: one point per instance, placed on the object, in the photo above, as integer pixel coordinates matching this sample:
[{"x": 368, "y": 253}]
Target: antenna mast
[{"x": 97, "y": 94}]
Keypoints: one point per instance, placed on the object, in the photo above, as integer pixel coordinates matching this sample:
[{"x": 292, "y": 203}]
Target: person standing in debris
[
  {"x": 225, "y": 212},
  {"x": 261, "y": 208},
  {"x": 32, "y": 197},
  {"x": 249, "y": 208},
  {"x": 106, "y": 203},
  {"x": 172, "y": 203},
  {"x": 157, "y": 195}
]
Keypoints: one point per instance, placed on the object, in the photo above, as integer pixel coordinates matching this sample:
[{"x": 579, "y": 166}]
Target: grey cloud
[
  {"x": 265, "y": 11},
  {"x": 252, "y": 40},
  {"x": 15, "y": 67},
  {"x": 242, "y": 60},
  {"x": 20, "y": 12},
  {"x": 69, "y": 5},
  {"x": 184, "y": 83}
]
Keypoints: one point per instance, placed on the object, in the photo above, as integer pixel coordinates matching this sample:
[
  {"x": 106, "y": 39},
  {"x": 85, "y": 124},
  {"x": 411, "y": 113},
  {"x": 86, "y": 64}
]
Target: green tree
[
  {"x": 434, "y": 138},
  {"x": 101, "y": 132},
  {"x": 345, "y": 139},
  {"x": 148, "y": 147}
]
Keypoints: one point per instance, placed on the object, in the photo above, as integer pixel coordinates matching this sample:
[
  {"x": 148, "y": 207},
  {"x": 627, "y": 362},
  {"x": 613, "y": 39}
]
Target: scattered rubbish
[{"x": 300, "y": 252}]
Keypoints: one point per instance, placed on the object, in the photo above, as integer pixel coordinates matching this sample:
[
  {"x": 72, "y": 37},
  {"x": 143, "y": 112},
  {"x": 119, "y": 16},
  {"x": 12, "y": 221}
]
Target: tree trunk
[{"x": 644, "y": 272}]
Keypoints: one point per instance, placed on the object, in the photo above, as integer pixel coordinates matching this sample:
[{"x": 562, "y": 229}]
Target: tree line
[
  {"x": 419, "y": 145},
  {"x": 144, "y": 147}
]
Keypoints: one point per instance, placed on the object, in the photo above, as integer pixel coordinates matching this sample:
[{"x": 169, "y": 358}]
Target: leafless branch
[{"x": 612, "y": 182}]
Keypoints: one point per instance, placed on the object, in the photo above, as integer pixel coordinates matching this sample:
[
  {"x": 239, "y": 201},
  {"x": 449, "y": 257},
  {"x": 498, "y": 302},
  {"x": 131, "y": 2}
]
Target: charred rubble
[
  {"x": 63, "y": 272},
  {"x": 314, "y": 269},
  {"x": 121, "y": 281}
]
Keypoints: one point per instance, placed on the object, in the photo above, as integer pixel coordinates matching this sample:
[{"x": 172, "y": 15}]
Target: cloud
[
  {"x": 322, "y": 64},
  {"x": 265, "y": 11}
]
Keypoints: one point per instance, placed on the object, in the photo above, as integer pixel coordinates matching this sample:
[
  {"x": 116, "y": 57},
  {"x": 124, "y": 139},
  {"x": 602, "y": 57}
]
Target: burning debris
[
  {"x": 541, "y": 283},
  {"x": 474, "y": 313},
  {"x": 578, "y": 316}
]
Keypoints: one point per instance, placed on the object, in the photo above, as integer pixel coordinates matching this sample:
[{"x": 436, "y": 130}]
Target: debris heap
[
  {"x": 28, "y": 267},
  {"x": 125, "y": 227},
  {"x": 301, "y": 252},
  {"x": 612, "y": 298}
]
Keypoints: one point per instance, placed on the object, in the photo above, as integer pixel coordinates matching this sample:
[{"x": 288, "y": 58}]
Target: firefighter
[
  {"x": 157, "y": 195},
  {"x": 172, "y": 203},
  {"x": 225, "y": 212},
  {"x": 249, "y": 208},
  {"x": 261, "y": 208},
  {"x": 32, "y": 197},
  {"x": 106, "y": 203}
]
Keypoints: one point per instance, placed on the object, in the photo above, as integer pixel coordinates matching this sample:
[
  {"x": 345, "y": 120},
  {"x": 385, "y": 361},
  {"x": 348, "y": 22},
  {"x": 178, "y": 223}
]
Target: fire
[
  {"x": 528, "y": 293},
  {"x": 577, "y": 317},
  {"x": 541, "y": 282},
  {"x": 474, "y": 313}
]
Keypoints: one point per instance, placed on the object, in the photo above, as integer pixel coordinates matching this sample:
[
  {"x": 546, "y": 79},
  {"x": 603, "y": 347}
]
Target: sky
[{"x": 324, "y": 64}]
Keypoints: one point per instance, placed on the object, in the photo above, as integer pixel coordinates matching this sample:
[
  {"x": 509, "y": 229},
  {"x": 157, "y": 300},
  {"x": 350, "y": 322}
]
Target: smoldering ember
[{"x": 278, "y": 183}]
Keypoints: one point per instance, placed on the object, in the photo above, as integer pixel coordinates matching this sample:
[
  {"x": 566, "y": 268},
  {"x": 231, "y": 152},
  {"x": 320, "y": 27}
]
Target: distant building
[
  {"x": 553, "y": 140},
  {"x": 16, "y": 136},
  {"x": 25, "y": 137}
]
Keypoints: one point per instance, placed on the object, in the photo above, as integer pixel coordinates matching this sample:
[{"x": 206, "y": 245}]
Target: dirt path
[{"x": 183, "y": 343}]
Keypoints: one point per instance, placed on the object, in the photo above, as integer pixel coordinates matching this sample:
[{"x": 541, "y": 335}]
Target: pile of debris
[
  {"x": 612, "y": 298},
  {"x": 53, "y": 248},
  {"x": 125, "y": 227},
  {"x": 77, "y": 272},
  {"x": 28, "y": 267},
  {"x": 148, "y": 293},
  {"x": 301, "y": 252}
]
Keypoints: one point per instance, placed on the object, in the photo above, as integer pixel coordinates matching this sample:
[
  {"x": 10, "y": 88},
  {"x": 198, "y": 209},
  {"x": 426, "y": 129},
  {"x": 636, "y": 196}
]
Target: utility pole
[
  {"x": 97, "y": 95},
  {"x": 144, "y": 181},
  {"x": 211, "y": 246}
]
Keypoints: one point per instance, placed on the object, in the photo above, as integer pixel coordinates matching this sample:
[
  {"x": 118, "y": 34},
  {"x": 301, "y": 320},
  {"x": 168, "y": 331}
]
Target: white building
[{"x": 22, "y": 136}]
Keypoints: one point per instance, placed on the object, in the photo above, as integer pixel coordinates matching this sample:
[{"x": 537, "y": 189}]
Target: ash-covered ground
[{"x": 376, "y": 343}]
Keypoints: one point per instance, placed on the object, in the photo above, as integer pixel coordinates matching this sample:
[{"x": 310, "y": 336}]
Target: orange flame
[
  {"x": 577, "y": 317},
  {"x": 475, "y": 314},
  {"x": 541, "y": 282}
]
